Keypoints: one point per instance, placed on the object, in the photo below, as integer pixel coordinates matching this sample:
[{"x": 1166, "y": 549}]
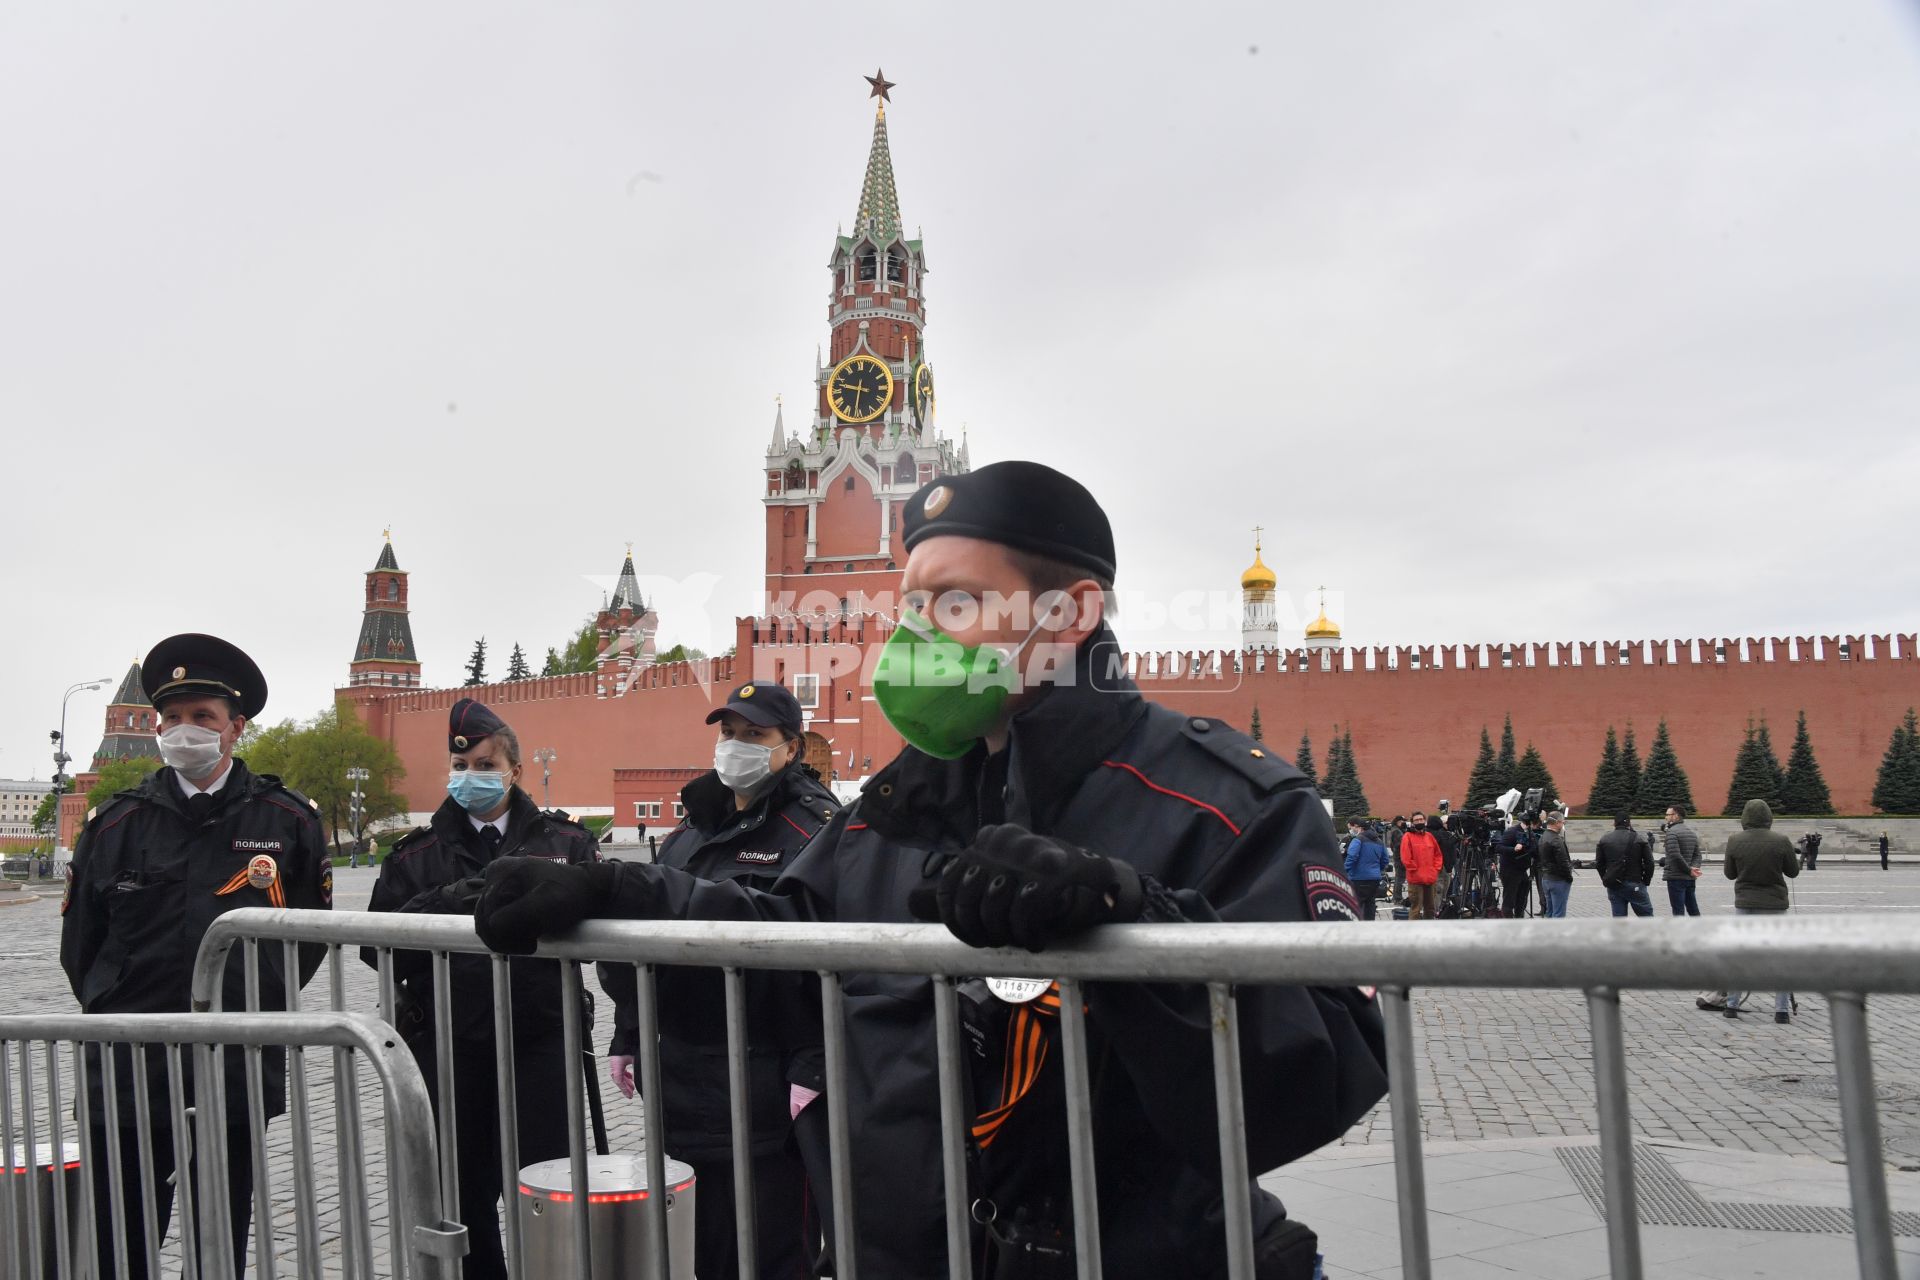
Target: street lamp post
[
  {"x": 60, "y": 757},
  {"x": 546, "y": 756},
  {"x": 355, "y": 775}
]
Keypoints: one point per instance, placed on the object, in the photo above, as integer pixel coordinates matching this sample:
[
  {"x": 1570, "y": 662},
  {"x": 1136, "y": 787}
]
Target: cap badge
[
  {"x": 262, "y": 871},
  {"x": 746, "y": 691},
  {"x": 460, "y": 742},
  {"x": 937, "y": 499},
  {"x": 179, "y": 673}
]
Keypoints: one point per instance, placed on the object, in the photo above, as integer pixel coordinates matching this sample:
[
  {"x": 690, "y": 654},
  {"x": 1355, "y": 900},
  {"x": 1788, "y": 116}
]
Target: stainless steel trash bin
[
  {"x": 616, "y": 1216},
  {"x": 16, "y": 1258}
]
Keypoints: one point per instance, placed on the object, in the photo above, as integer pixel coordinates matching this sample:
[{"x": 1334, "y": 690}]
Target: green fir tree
[
  {"x": 1253, "y": 726},
  {"x": 1530, "y": 771},
  {"x": 1897, "y": 788},
  {"x": 1303, "y": 760},
  {"x": 1629, "y": 771},
  {"x": 1504, "y": 763},
  {"x": 1804, "y": 790},
  {"x": 1773, "y": 764},
  {"x": 477, "y": 663},
  {"x": 551, "y": 667},
  {"x": 517, "y": 668},
  {"x": 1343, "y": 786},
  {"x": 1753, "y": 776},
  {"x": 1608, "y": 796},
  {"x": 1663, "y": 782},
  {"x": 1483, "y": 784}
]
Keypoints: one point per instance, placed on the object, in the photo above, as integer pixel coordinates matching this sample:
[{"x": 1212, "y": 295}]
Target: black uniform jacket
[
  {"x": 148, "y": 881},
  {"x": 753, "y": 847},
  {"x": 1230, "y": 830},
  {"x": 443, "y": 853}
]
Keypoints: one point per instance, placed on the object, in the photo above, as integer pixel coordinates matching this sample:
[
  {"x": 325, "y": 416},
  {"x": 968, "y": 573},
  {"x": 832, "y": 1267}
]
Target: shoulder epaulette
[
  {"x": 412, "y": 837},
  {"x": 1251, "y": 759}
]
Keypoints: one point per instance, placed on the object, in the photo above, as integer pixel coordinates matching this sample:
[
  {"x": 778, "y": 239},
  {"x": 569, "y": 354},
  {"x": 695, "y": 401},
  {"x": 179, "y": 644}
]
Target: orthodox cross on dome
[
  {"x": 880, "y": 85},
  {"x": 1257, "y": 531},
  {"x": 879, "y": 214}
]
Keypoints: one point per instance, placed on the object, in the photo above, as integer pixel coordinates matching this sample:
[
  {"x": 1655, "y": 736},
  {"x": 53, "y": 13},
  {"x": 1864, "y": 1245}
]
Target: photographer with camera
[
  {"x": 1556, "y": 868},
  {"x": 1516, "y": 869}
]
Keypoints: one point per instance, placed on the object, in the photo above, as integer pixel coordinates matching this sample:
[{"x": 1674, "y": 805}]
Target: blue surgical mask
[{"x": 477, "y": 790}]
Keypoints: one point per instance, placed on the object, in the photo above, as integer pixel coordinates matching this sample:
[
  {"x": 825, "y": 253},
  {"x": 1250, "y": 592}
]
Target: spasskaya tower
[{"x": 835, "y": 487}]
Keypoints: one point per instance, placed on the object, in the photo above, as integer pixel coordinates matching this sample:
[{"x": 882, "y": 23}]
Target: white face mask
[
  {"x": 744, "y": 767},
  {"x": 191, "y": 751}
]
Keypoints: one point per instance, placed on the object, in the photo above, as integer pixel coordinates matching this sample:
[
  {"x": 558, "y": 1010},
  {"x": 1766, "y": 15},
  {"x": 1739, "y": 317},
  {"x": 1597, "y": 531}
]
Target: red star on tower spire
[{"x": 880, "y": 85}]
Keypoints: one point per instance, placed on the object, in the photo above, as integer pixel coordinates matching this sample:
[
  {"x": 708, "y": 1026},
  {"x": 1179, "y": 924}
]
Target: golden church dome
[
  {"x": 1258, "y": 577},
  {"x": 1323, "y": 627}
]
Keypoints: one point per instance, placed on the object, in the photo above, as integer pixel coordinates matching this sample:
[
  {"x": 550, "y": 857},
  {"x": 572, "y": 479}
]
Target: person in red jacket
[{"x": 1420, "y": 851}]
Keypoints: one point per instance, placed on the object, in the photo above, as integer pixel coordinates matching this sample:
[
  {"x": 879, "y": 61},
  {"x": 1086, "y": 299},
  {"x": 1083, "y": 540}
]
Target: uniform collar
[
  {"x": 709, "y": 801},
  {"x": 188, "y": 791}
]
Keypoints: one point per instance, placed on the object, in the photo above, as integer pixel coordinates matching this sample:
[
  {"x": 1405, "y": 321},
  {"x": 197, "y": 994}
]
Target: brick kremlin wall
[{"x": 1415, "y": 712}]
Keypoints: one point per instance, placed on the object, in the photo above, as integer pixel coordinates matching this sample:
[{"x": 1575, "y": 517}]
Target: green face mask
[{"x": 941, "y": 695}]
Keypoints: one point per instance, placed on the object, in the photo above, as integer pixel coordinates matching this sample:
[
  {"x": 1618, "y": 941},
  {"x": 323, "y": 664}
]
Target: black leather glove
[
  {"x": 528, "y": 898},
  {"x": 1011, "y": 887},
  {"x": 456, "y": 898}
]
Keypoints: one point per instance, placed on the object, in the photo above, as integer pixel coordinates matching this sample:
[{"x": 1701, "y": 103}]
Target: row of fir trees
[{"x": 1340, "y": 784}]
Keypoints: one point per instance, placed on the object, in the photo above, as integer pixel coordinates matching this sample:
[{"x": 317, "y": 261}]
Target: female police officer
[
  {"x": 746, "y": 819},
  {"x": 486, "y": 817}
]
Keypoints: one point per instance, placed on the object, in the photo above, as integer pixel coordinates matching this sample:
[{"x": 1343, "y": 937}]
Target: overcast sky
[{"x": 1507, "y": 321}]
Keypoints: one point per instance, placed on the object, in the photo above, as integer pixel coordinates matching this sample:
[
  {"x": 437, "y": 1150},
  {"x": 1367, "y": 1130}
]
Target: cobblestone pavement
[{"x": 1499, "y": 1064}]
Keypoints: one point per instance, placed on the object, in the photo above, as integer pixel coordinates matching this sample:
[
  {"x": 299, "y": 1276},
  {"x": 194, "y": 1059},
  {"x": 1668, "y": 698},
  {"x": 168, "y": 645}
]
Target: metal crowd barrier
[
  {"x": 198, "y": 1119},
  {"x": 1844, "y": 958}
]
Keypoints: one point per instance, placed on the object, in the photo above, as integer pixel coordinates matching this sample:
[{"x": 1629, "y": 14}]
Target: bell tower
[
  {"x": 384, "y": 656},
  {"x": 836, "y": 484}
]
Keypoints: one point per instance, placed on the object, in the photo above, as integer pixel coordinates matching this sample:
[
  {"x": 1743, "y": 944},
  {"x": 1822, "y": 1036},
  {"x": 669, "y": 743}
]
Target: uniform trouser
[
  {"x": 239, "y": 1193},
  {"x": 779, "y": 1216},
  {"x": 540, "y": 1088},
  {"x": 1515, "y": 888}
]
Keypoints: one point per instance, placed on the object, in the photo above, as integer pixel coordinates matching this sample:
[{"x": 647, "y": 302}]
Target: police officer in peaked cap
[
  {"x": 154, "y": 866},
  {"x": 1040, "y": 797},
  {"x": 486, "y": 819},
  {"x": 746, "y": 820}
]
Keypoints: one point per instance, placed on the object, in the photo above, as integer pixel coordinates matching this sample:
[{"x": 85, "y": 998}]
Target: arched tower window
[
  {"x": 865, "y": 263},
  {"x": 796, "y": 475},
  {"x": 393, "y": 588},
  {"x": 897, "y": 266}
]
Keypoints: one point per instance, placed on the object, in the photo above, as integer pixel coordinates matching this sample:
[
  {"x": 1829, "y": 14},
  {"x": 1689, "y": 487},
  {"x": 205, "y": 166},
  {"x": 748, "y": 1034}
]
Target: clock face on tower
[{"x": 860, "y": 388}]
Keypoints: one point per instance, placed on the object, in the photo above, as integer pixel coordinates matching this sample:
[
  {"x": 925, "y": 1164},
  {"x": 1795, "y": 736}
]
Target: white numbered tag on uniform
[{"x": 1018, "y": 990}]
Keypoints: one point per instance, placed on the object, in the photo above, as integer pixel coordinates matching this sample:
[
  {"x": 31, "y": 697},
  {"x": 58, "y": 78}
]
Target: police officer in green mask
[{"x": 1041, "y": 796}]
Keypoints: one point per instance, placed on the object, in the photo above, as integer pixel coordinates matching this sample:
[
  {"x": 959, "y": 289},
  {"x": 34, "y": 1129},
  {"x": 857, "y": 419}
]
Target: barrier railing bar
[
  {"x": 9, "y": 1204},
  {"x": 83, "y": 1132},
  {"x": 1403, "y": 1099},
  {"x": 183, "y": 1152},
  {"x": 1616, "y": 1132},
  {"x": 1860, "y": 1126},
  {"x": 1230, "y": 1112},
  {"x": 116, "y": 1169},
  {"x": 263, "y": 1225},
  {"x": 576, "y": 1125},
  {"x": 1849, "y": 954},
  {"x": 356, "y": 1245},
  {"x": 143, "y": 1133},
  {"x": 655, "y": 1264},
  {"x": 306, "y": 1211},
  {"x": 399, "y": 1227},
  {"x": 63, "y": 1250},
  {"x": 508, "y": 1098},
  {"x": 443, "y": 1074},
  {"x": 953, "y": 1128},
  {"x": 744, "y": 1218},
  {"x": 1086, "y": 1208},
  {"x": 209, "y": 1129},
  {"x": 33, "y": 1184},
  {"x": 846, "y": 1230}
]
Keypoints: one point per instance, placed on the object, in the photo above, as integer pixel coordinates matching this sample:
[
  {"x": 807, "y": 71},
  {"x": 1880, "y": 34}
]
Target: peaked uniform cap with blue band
[
  {"x": 469, "y": 724},
  {"x": 1024, "y": 505}
]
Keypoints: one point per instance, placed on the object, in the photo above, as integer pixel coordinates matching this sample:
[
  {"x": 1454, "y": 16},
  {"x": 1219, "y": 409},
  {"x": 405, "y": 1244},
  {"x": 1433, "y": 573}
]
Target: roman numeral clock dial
[{"x": 860, "y": 389}]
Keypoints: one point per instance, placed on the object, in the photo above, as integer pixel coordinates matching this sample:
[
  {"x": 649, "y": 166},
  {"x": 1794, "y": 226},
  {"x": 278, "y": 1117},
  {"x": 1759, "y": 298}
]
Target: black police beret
[
  {"x": 469, "y": 724},
  {"x": 1023, "y": 505},
  {"x": 763, "y": 703},
  {"x": 194, "y": 665}
]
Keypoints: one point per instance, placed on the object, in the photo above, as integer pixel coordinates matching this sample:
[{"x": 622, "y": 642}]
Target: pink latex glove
[
  {"x": 620, "y": 1071},
  {"x": 798, "y": 1096}
]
